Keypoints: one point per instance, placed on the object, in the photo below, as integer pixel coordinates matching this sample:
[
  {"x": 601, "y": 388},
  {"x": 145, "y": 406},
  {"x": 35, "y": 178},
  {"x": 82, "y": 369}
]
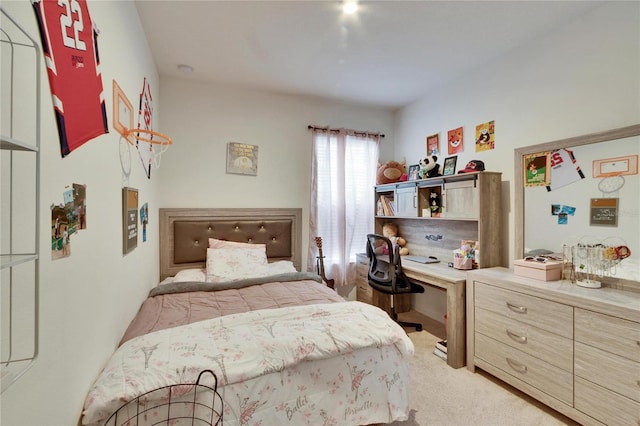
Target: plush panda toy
[{"x": 429, "y": 167}]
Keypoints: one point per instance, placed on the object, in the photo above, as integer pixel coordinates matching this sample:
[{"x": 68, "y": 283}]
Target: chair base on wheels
[{"x": 415, "y": 325}]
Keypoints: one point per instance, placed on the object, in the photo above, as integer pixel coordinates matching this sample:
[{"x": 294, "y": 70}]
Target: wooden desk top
[{"x": 437, "y": 274}]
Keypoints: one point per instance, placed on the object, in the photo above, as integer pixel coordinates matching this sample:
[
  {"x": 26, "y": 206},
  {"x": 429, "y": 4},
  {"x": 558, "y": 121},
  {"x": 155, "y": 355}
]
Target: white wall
[
  {"x": 88, "y": 299},
  {"x": 581, "y": 78},
  {"x": 203, "y": 118}
]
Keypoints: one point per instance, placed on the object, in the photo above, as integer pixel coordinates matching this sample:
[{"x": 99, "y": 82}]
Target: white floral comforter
[{"x": 338, "y": 363}]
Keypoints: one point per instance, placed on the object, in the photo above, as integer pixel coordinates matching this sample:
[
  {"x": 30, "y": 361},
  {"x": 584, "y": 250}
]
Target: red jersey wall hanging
[{"x": 70, "y": 47}]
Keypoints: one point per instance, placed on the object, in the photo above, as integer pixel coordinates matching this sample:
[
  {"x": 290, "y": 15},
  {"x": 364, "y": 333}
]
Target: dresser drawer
[
  {"x": 548, "y": 378},
  {"x": 615, "y": 335},
  {"x": 547, "y": 315},
  {"x": 611, "y": 371},
  {"x": 554, "y": 349},
  {"x": 604, "y": 405}
]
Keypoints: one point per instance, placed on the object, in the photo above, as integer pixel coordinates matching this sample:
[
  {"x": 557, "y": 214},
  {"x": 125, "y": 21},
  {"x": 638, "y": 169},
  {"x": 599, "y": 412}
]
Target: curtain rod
[{"x": 327, "y": 129}]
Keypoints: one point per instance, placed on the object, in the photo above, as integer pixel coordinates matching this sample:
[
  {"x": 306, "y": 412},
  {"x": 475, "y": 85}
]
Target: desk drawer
[
  {"x": 606, "y": 406},
  {"x": 364, "y": 292},
  {"x": 545, "y": 314},
  {"x": 537, "y": 373},
  {"x": 613, "y": 372},
  {"x": 556, "y": 350}
]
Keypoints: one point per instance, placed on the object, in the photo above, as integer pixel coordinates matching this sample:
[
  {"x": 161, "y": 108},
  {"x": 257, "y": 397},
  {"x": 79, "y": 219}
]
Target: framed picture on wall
[
  {"x": 413, "y": 172},
  {"x": 449, "y": 167},
  {"x": 242, "y": 159},
  {"x": 433, "y": 144},
  {"x": 129, "y": 219}
]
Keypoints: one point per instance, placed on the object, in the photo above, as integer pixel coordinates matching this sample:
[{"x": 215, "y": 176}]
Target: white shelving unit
[{"x": 20, "y": 200}]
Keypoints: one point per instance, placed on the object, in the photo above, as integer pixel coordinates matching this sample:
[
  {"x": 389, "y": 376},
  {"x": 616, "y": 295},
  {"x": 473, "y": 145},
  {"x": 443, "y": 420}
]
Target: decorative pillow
[
  {"x": 198, "y": 274},
  {"x": 231, "y": 264},
  {"x": 167, "y": 280},
  {"x": 219, "y": 244},
  {"x": 280, "y": 267}
]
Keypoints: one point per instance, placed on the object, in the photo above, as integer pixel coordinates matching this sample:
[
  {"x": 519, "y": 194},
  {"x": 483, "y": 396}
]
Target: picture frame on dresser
[
  {"x": 413, "y": 172},
  {"x": 449, "y": 167}
]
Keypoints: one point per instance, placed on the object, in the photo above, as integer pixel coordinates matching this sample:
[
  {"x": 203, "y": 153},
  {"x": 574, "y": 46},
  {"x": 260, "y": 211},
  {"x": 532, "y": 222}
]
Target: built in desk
[{"x": 454, "y": 282}]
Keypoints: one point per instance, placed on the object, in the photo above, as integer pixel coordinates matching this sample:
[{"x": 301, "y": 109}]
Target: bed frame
[{"x": 185, "y": 233}]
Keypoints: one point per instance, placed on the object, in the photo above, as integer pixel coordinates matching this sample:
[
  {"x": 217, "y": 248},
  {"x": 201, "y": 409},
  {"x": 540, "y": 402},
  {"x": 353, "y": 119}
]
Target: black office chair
[{"x": 385, "y": 273}]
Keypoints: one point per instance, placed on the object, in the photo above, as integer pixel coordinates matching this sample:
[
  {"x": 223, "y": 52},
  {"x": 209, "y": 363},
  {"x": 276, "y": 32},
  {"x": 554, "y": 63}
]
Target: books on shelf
[
  {"x": 440, "y": 354},
  {"x": 387, "y": 205},
  {"x": 442, "y": 345}
]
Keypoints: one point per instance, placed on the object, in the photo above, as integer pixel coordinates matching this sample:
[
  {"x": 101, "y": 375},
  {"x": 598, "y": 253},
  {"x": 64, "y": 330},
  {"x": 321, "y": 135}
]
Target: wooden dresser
[{"x": 575, "y": 349}]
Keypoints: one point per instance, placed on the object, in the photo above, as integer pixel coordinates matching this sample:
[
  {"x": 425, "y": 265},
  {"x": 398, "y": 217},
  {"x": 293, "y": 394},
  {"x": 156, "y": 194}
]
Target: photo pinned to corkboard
[
  {"x": 537, "y": 169},
  {"x": 242, "y": 159}
]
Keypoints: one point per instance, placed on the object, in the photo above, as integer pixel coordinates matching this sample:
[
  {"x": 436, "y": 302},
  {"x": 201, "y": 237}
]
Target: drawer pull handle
[
  {"x": 516, "y": 337},
  {"x": 518, "y": 309},
  {"x": 517, "y": 366}
]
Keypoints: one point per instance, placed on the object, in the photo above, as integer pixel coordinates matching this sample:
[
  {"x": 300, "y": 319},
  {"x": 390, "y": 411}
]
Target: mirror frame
[{"x": 620, "y": 133}]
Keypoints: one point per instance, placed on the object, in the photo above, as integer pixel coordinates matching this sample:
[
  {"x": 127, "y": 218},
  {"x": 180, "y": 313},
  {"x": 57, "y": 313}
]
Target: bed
[{"x": 284, "y": 347}]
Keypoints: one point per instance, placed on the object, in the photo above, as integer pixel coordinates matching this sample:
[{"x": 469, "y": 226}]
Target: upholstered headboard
[{"x": 185, "y": 233}]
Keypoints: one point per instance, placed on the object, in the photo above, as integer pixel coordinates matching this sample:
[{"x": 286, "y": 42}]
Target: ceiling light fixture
[
  {"x": 185, "y": 69},
  {"x": 349, "y": 6}
]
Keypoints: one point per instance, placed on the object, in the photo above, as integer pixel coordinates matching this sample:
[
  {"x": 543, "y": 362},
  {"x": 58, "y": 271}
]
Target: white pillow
[
  {"x": 215, "y": 244},
  {"x": 167, "y": 280},
  {"x": 281, "y": 267},
  {"x": 231, "y": 264},
  {"x": 198, "y": 274}
]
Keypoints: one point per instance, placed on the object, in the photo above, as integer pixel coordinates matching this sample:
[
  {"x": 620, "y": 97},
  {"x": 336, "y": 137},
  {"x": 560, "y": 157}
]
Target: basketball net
[
  {"x": 158, "y": 145},
  {"x": 158, "y": 150}
]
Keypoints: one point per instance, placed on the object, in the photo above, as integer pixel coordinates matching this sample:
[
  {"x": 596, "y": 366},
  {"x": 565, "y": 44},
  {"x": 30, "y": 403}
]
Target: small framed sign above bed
[{"x": 242, "y": 159}]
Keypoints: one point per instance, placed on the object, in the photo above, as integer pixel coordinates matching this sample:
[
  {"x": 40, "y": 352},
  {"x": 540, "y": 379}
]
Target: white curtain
[{"x": 343, "y": 175}]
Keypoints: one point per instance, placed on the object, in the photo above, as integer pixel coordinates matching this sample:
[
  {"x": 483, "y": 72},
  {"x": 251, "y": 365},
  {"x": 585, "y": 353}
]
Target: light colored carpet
[{"x": 441, "y": 395}]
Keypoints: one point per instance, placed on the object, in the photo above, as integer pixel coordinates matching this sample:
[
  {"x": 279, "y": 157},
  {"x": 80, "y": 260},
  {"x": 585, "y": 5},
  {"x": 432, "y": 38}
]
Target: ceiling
[{"x": 389, "y": 54}]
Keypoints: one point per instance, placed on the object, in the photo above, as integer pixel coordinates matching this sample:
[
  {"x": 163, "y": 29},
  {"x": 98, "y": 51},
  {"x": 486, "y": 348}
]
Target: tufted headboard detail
[{"x": 185, "y": 233}]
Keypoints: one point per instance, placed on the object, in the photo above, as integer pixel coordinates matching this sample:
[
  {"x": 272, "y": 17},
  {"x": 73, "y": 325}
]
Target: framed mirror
[{"x": 593, "y": 201}]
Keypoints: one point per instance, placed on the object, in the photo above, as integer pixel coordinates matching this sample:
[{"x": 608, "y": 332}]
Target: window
[{"x": 341, "y": 212}]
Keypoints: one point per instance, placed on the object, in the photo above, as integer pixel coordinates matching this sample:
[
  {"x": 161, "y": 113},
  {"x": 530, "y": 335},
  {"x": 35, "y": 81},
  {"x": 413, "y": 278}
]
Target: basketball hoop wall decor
[
  {"x": 242, "y": 159},
  {"x": 145, "y": 114},
  {"x": 154, "y": 144}
]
